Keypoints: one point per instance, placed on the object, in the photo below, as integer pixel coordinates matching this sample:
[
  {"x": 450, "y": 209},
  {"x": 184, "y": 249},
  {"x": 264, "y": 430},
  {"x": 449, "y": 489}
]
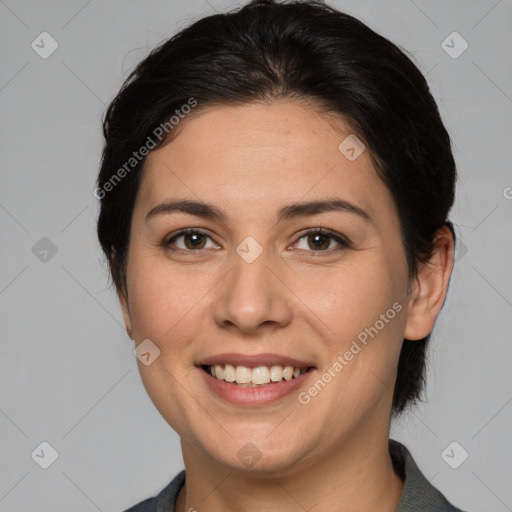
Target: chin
[{"x": 257, "y": 454}]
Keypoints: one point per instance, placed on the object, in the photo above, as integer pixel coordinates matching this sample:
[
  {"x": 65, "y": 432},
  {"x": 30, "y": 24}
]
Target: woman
[{"x": 275, "y": 189}]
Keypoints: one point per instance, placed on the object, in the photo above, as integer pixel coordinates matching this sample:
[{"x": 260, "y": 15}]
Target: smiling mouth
[{"x": 257, "y": 376}]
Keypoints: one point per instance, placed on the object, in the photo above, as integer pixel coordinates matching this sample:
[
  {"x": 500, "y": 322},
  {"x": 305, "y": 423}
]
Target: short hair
[{"x": 297, "y": 50}]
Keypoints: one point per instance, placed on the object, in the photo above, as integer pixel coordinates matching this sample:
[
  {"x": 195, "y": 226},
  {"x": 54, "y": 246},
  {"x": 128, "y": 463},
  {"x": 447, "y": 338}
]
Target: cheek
[
  {"x": 353, "y": 299},
  {"x": 163, "y": 299},
  {"x": 364, "y": 308}
]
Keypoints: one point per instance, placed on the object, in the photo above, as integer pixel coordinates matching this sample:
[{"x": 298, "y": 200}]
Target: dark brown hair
[{"x": 303, "y": 50}]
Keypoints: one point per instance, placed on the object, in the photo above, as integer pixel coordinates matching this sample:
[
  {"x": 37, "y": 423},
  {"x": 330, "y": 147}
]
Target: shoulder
[
  {"x": 418, "y": 492},
  {"x": 165, "y": 500}
]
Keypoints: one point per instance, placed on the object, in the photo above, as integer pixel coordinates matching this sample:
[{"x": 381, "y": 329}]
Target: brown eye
[
  {"x": 193, "y": 240},
  {"x": 320, "y": 240}
]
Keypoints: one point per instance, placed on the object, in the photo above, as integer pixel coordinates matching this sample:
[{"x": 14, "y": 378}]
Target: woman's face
[{"x": 254, "y": 289}]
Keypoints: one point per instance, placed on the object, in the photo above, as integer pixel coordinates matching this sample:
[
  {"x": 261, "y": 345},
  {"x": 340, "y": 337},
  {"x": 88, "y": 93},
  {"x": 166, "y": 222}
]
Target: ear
[
  {"x": 125, "y": 310},
  {"x": 429, "y": 287},
  {"x": 123, "y": 300}
]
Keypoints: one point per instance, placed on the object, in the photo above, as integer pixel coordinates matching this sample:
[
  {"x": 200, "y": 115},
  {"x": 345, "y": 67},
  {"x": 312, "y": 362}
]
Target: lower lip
[{"x": 257, "y": 395}]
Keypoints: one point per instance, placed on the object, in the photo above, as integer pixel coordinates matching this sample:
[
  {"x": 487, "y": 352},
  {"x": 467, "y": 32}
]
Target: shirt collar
[{"x": 418, "y": 492}]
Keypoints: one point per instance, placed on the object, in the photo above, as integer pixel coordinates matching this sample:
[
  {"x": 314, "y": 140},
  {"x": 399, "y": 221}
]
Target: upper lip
[{"x": 254, "y": 360}]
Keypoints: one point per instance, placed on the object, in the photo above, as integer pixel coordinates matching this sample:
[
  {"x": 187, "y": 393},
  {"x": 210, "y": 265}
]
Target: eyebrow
[{"x": 290, "y": 211}]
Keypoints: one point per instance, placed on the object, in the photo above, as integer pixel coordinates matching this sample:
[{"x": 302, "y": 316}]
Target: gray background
[{"x": 67, "y": 370}]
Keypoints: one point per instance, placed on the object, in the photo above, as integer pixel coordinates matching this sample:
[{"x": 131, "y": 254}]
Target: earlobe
[
  {"x": 125, "y": 310},
  {"x": 430, "y": 287}
]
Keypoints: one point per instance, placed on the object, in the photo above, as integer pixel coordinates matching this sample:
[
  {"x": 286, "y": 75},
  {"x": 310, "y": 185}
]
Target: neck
[{"x": 359, "y": 476}]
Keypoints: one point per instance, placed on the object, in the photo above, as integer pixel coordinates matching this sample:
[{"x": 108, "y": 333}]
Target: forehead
[{"x": 261, "y": 155}]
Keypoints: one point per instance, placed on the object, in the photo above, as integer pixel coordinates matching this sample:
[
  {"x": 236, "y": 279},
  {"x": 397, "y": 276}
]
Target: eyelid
[
  {"x": 186, "y": 231},
  {"x": 342, "y": 240}
]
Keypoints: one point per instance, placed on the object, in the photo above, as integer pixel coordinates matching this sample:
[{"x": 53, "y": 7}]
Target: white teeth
[
  {"x": 259, "y": 375},
  {"x": 276, "y": 373},
  {"x": 243, "y": 375},
  {"x": 219, "y": 372},
  {"x": 288, "y": 373},
  {"x": 229, "y": 373}
]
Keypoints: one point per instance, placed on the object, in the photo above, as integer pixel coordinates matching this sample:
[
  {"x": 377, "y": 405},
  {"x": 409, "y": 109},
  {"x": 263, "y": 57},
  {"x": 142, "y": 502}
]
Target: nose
[{"x": 254, "y": 296}]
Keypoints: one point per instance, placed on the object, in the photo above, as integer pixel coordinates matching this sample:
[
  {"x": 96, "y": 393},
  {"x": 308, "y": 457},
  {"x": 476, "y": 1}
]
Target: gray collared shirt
[{"x": 418, "y": 492}]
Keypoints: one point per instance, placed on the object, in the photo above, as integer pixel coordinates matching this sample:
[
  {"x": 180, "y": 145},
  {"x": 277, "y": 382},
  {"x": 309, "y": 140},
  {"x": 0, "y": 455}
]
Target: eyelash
[{"x": 343, "y": 241}]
